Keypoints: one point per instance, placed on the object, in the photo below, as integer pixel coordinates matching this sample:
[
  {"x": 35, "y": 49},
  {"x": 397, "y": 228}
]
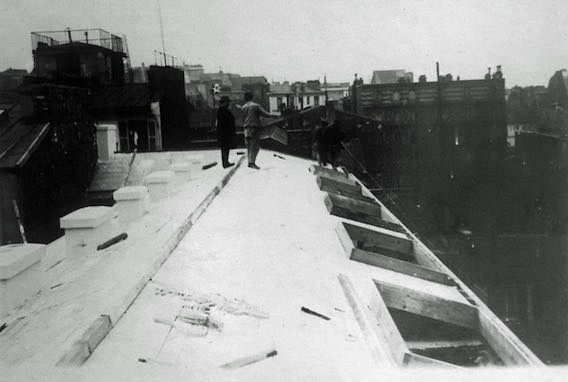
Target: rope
[{"x": 379, "y": 187}]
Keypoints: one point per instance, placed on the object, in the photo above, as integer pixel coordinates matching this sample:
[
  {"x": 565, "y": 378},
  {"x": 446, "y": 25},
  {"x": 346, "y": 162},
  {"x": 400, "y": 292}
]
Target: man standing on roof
[
  {"x": 225, "y": 130},
  {"x": 333, "y": 142},
  {"x": 252, "y": 112}
]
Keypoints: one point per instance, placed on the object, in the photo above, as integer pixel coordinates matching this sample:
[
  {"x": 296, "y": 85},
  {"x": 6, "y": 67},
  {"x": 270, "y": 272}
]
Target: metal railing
[{"x": 97, "y": 37}]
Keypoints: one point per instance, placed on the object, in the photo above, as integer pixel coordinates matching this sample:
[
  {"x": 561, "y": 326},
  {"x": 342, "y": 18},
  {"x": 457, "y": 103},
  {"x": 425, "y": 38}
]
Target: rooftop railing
[{"x": 97, "y": 37}]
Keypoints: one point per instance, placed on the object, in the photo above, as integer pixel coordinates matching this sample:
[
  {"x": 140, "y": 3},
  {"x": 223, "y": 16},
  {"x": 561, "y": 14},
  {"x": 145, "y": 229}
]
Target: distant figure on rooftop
[
  {"x": 319, "y": 146},
  {"x": 252, "y": 112},
  {"x": 328, "y": 143},
  {"x": 225, "y": 130},
  {"x": 334, "y": 142}
]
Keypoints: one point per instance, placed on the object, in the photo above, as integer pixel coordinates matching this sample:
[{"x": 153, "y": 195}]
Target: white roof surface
[{"x": 263, "y": 248}]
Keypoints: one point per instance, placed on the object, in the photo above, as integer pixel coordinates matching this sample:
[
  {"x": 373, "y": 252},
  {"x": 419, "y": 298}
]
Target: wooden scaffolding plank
[
  {"x": 501, "y": 339},
  {"x": 444, "y": 344},
  {"x": 417, "y": 360},
  {"x": 375, "y": 321},
  {"x": 318, "y": 170},
  {"x": 346, "y": 241},
  {"x": 498, "y": 338},
  {"x": 336, "y": 176},
  {"x": 423, "y": 259},
  {"x": 387, "y": 329},
  {"x": 392, "y": 241},
  {"x": 353, "y": 205},
  {"x": 329, "y": 185},
  {"x": 429, "y": 305},
  {"x": 360, "y": 217},
  {"x": 378, "y": 260}
]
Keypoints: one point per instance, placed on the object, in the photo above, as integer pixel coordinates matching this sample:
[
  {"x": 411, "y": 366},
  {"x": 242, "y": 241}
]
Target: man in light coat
[{"x": 252, "y": 112}]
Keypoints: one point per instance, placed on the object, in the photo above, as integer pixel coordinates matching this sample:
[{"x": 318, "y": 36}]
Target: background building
[
  {"x": 391, "y": 76},
  {"x": 300, "y": 95},
  {"x": 91, "y": 57}
]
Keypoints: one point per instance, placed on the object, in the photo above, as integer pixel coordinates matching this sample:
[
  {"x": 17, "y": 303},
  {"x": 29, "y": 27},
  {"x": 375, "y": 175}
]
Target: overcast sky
[{"x": 298, "y": 40}]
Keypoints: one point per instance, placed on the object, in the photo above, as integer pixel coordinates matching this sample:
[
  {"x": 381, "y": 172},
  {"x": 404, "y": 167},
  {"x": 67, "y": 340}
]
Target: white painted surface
[
  {"x": 160, "y": 184},
  {"x": 266, "y": 240},
  {"x": 14, "y": 258},
  {"x": 106, "y": 140},
  {"x": 182, "y": 171},
  {"x": 87, "y": 217},
  {"x": 80, "y": 290},
  {"x": 81, "y": 242},
  {"x": 131, "y": 203},
  {"x": 130, "y": 193},
  {"x": 85, "y": 229},
  {"x": 21, "y": 275}
]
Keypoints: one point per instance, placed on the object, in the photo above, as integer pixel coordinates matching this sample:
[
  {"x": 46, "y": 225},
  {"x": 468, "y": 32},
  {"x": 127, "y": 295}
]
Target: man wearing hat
[
  {"x": 252, "y": 112},
  {"x": 225, "y": 130}
]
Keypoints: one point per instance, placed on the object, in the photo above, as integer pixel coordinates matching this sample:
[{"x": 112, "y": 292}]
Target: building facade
[
  {"x": 85, "y": 57},
  {"x": 391, "y": 76}
]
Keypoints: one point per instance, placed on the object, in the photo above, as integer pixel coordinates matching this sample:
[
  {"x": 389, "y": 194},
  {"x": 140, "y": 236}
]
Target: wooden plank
[
  {"x": 387, "y": 329},
  {"x": 423, "y": 259},
  {"x": 428, "y": 305},
  {"x": 333, "y": 174},
  {"x": 417, "y": 360},
  {"x": 345, "y": 239},
  {"x": 82, "y": 349},
  {"x": 361, "y": 197},
  {"x": 338, "y": 178},
  {"x": 377, "y": 326},
  {"x": 318, "y": 170},
  {"x": 330, "y": 185},
  {"x": 369, "y": 238},
  {"x": 337, "y": 209},
  {"x": 498, "y": 337},
  {"x": 424, "y": 345},
  {"x": 354, "y": 205},
  {"x": 396, "y": 265}
]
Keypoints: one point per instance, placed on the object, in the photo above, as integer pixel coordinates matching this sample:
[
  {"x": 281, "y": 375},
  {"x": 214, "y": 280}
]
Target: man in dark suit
[
  {"x": 333, "y": 142},
  {"x": 225, "y": 130}
]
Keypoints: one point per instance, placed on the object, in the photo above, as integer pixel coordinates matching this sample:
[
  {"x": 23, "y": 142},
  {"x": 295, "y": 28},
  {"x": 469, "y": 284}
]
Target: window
[
  {"x": 307, "y": 100},
  {"x": 316, "y": 100}
]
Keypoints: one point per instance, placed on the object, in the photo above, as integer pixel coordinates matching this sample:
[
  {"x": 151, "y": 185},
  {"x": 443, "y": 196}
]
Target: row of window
[{"x": 300, "y": 102}]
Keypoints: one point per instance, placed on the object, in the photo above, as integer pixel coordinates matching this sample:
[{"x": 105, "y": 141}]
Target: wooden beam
[
  {"x": 392, "y": 241},
  {"x": 425, "y": 260},
  {"x": 352, "y": 209},
  {"x": 346, "y": 241},
  {"x": 396, "y": 265},
  {"x": 417, "y": 360},
  {"x": 428, "y": 305},
  {"x": 499, "y": 338},
  {"x": 341, "y": 188},
  {"x": 318, "y": 170},
  {"x": 387, "y": 329},
  {"x": 337, "y": 177},
  {"x": 445, "y": 344},
  {"x": 354, "y": 205},
  {"x": 376, "y": 323}
]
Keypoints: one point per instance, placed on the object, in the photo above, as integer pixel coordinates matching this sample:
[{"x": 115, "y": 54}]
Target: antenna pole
[{"x": 162, "y": 32}]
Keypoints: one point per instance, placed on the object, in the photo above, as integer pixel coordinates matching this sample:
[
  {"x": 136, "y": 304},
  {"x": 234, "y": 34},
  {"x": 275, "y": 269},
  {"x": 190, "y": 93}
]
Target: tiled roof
[{"x": 19, "y": 140}]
